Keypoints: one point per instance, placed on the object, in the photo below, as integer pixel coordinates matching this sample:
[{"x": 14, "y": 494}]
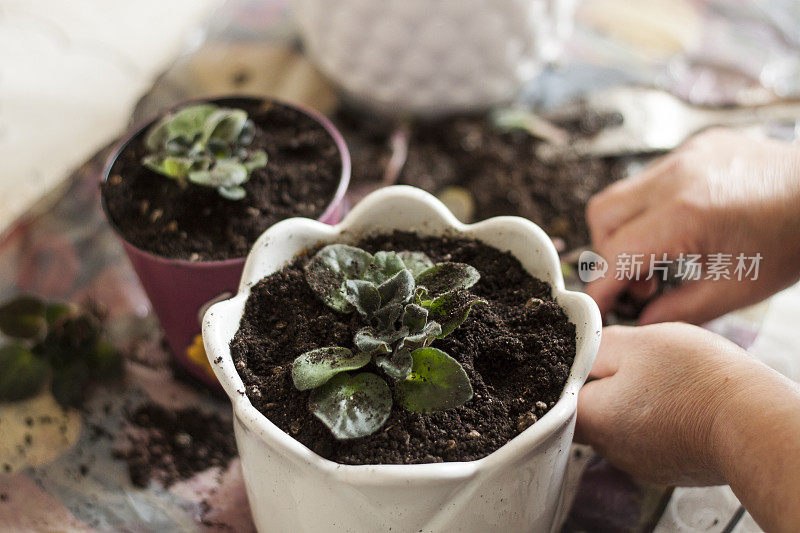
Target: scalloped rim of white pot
[{"x": 221, "y": 322}]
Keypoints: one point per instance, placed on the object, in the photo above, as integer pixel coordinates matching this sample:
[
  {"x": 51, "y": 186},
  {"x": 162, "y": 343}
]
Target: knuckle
[
  {"x": 680, "y": 164},
  {"x": 706, "y": 137},
  {"x": 615, "y": 330},
  {"x": 685, "y": 207}
]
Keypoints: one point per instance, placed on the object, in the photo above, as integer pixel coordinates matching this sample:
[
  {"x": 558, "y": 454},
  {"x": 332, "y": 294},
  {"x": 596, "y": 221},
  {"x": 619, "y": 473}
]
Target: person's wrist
[{"x": 745, "y": 399}]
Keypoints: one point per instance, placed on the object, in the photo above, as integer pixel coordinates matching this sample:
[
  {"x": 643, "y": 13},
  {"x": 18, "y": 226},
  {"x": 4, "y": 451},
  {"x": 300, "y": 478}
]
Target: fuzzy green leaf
[
  {"x": 232, "y": 193},
  {"x": 170, "y": 166},
  {"x": 397, "y": 364},
  {"x": 397, "y": 289},
  {"x": 69, "y": 383},
  {"x": 247, "y": 134},
  {"x": 363, "y": 295},
  {"x": 179, "y": 146},
  {"x": 423, "y": 338},
  {"x": 226, "y": 173},
  {"x": 421, "y": 295},
  {"x": 22, "y": 373},
  {"x": 436, "y": 382},
  {"x": 452, "y": 309},
  {"x": 377, "y": 342},
  {"x": 256, "y": 160},
  {"x": 446, "y": 277},
  {"x": 416, "y": 262},
  {"x": 384, "y": 265},
  {"x": 328, "y": 270},
  {"x": 224, "y": 125},
  {"x": 368, "y": 341},
  {"x": 205, "y": 144},
  {"x": 386, "y": 317},
  {"x": 23, "y": 317},
  {"x": 314, "y": 368},
  {"x": 187, "y": 123},
  {"x": 354, "y": 406},
  {"x": 219, "y": 149},
  {"x": 414, "y": 317}
]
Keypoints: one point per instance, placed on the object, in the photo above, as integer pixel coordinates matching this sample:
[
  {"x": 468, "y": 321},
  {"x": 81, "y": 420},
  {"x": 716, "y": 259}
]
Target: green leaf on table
[
  {"x": 73, "y": 337},
  {"x": 328, "y": 270},
  {"x": 436, "y": 382},
  {"x": 314, "y": 368},
  {"x": 23, "y": 317},
  {"x": 104, "y": 361},
  {"x": 446, "y": 277},
  {"x": 352, "y": 406},
  {"x": 58, "y": 312},
  {"x": 22, "y": 373},
  {"x": 69, "y": 382}
]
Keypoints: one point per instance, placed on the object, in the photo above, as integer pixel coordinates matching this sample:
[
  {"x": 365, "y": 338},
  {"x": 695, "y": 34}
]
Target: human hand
[
  {"x": 657, "y": 393},
  {"x": 721, "y": 192}
]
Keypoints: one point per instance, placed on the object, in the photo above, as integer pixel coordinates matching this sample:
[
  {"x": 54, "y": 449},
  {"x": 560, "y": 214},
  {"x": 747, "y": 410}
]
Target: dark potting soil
[
  {"x": 154, "y": 213},
  {"x": 167, "y": 445},
  {"x": 368, "y": 139},
  {"x": 517, "y": 351},
  {"x": 500, "y": 171}
]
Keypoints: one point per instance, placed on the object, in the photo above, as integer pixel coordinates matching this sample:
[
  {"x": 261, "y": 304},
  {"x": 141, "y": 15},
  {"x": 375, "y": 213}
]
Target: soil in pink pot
[{"x": 156, "y": 214}]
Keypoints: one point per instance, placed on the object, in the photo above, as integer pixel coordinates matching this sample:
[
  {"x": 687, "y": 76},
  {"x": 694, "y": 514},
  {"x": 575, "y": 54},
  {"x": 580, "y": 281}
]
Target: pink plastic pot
[{"x": 180, "y": 290}]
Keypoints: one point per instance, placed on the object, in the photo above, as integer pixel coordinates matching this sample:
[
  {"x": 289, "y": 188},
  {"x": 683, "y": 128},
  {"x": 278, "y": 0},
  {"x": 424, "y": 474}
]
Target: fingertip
[
  {"x": 643, "y": 289},
  {"x": 604, "y": 292},
  {"x": 651, "y": 314},
  {"x": 693, "y": 303}
]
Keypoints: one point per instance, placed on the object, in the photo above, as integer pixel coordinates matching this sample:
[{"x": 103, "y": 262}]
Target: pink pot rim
[{"x": 134, "y": 132}]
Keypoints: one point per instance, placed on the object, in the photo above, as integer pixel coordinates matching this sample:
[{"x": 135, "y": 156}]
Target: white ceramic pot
[
  {"x": 432, "y": 56},
  {"x": 290, "y": 488}
]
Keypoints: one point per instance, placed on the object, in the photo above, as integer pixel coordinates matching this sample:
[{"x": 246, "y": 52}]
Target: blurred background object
[
  {"x": 432, "y": 58},
  {"x": 70, "y": 74}
]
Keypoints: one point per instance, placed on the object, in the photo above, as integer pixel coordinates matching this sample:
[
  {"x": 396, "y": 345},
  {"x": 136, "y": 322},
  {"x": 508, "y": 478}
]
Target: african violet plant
[
  {"x": 206, "y": 145},
  {"x": 406, "y": 303},
  {"x": 56, "y": 340}
]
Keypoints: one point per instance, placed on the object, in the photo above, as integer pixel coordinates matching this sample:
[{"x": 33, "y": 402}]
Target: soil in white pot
[{"x": 517, "y": 350}]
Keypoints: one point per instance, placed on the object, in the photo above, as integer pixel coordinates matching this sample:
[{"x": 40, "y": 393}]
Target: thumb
[{"x": 593, "y": 412}]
